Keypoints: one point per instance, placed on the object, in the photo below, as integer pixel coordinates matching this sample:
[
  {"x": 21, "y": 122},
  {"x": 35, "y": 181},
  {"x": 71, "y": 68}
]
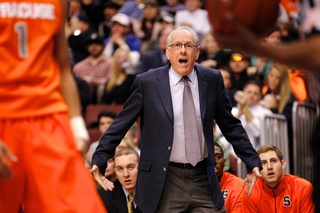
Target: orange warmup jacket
[
  {"x": 231, "y": 187},
  {"x": 292, "y": 195}
]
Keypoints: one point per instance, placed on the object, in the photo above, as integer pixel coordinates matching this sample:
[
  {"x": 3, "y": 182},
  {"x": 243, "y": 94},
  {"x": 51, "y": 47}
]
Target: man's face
[
  {"x": 238, "y": 63},
  {"x": 95, "y": 49},
  {"x": 226, "y": 78},
  {"x": 172, "y": 3},
  {"x": 118, "y": 28},
  {"x": 110, "y": 169},
  {"x": 74, "y": 8},
  {"x": 274, "y": 38},
  {"x": 109, "y": 12},
  {"x": 220, "y": 161},
  {"x": 182, "y": 59},
  {"x": 192, "y": 5},
  {"x": 150, "y": 12},
  {"x": 272, "y": 168},
  {"x": 126, "y": 168},
  {"x": 269, "y": 101},
  {"x": 252, "y": 93},
  {"x": 104, "y": 123}
]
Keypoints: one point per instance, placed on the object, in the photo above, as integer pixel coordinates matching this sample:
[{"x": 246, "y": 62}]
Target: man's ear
[
  {"x": 197, "y": 54},
  {"x": 167, "y": 54},
  {"x": 284, "y": 163}
]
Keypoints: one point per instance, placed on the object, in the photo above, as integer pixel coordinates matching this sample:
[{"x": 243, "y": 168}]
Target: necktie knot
[
  {"x": 185, "y": 79},
  {"x": 130, "y": 197}
]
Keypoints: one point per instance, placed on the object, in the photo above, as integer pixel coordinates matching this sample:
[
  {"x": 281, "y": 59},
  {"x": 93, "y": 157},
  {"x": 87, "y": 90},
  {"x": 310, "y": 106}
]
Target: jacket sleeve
[
  {"x": 306, "y": 204},
  {"x": 233, "y": 130},
  {"x": 119, "y": 127},
  {"x": 248, "y": 203}
]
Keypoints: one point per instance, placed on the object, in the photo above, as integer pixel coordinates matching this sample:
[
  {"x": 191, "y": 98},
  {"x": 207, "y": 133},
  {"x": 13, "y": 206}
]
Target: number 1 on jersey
[{"x": 21, "y": 30}]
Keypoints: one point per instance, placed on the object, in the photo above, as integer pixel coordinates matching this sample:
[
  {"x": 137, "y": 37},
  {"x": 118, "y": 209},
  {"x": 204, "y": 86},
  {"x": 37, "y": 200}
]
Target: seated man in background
[
  {"x": 105, "y": 118},
  {"x": 120, "y": 199},
  {"x": 275, "y": 191},
  {"x": 96, "y": 68},
  {"x": 231, "y": 185}
]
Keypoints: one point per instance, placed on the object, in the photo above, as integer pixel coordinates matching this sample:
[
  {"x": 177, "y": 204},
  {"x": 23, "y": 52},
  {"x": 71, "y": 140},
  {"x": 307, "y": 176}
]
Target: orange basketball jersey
[{"x": 30, "y": 75}]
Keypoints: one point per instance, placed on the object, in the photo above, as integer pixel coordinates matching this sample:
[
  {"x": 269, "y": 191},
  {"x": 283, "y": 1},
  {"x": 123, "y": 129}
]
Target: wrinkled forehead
[
  {"x": 182, "y": 36},
  {"x": 125, "y": 160}
]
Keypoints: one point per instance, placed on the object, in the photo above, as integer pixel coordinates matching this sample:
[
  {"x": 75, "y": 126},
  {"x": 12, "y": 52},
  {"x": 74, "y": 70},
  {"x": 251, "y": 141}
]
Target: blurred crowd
[{"x": 111, "y": 41}]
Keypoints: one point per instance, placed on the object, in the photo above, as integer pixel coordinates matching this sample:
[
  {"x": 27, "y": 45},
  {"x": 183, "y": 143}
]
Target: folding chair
[{"x": 275, "y": 132}]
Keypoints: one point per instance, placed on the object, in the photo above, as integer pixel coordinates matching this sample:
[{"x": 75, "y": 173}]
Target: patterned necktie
[
  {"x": 130, "y": 203},
  {"x": 193, "y": 153}
]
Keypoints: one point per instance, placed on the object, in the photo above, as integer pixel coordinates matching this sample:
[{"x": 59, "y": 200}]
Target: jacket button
[
  {"x": 165, "y": 169},
  {"x": 169, "y": 147}
]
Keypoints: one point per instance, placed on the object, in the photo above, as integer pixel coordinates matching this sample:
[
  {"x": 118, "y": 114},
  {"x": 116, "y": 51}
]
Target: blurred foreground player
[{"x": 44, "y": 171}]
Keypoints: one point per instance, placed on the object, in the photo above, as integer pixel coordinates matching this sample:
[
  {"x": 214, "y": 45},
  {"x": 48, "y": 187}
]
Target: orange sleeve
[
  {"x": 236, "y": 199},
  {"x": 290, "y": 5},
  {"x": 298, "y": 87},
  {"x": 264, "y": 90},
  {"x": 306, "y": 203},
  {"x": 248, "y": 203}
]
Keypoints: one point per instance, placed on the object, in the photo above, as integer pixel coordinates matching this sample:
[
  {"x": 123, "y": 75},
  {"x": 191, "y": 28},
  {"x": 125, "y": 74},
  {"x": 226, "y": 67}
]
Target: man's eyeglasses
[{"x": 178, "y": 46}]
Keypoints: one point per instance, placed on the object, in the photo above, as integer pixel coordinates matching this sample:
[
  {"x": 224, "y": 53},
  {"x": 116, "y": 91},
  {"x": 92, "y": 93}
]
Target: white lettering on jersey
[{"x": 27, "y": 10}]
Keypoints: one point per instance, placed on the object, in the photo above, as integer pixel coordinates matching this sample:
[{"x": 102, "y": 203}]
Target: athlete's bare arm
[
  {"x": 294, "y": 54},
  {"x": 69, "y": 88}
]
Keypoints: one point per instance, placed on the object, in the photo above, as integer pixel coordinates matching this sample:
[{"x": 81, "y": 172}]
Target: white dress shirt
[{"x": 176, "y": 87}]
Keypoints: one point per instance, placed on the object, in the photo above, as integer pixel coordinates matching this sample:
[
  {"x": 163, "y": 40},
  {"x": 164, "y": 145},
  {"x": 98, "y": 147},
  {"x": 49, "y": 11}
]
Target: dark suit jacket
[
  {"x": 115, "y": 201},
  {"x": 151, "y": 100}
]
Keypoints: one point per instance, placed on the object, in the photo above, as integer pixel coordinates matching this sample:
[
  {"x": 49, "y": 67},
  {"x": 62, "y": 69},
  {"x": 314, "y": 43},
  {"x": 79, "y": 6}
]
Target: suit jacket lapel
[
  {"x": 120, "y": 198},
  {"x": 203, "y": 89},
  {"x": 163, "y": 88}
]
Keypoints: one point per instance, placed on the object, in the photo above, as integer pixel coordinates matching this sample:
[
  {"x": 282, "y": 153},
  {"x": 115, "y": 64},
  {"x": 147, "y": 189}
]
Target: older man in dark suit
[{"x": 171, "y": 176}]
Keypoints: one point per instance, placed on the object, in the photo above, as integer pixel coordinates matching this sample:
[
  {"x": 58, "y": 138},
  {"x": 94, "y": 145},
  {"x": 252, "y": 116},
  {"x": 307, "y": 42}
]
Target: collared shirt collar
[{"x": 176, "y": 77}]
